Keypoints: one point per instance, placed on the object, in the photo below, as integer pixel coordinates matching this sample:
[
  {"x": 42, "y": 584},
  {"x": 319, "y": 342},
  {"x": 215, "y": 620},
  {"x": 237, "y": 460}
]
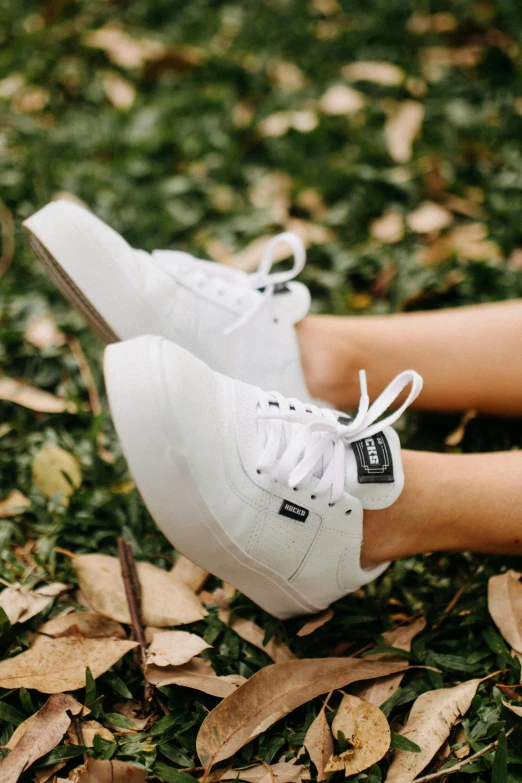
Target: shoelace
[
  {"x": 291, "y": 453},
  {"x": 263, "y": 280}
]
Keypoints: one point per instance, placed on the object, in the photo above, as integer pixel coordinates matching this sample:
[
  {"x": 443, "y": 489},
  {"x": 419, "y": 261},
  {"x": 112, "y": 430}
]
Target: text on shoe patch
[
  {"x": 374, "y": 460},
  {"x": 292, "y": 511}
]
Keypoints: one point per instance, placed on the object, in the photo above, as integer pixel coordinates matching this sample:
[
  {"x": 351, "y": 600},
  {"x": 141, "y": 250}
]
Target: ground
[{"x": 203, "y": 126}]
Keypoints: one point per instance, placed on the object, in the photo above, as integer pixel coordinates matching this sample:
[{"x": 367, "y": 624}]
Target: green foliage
[{"x": 181, "y": 167}]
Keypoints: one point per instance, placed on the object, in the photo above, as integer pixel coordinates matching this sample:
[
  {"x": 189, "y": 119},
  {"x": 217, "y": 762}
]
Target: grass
[{"x": 186, "y": 164}]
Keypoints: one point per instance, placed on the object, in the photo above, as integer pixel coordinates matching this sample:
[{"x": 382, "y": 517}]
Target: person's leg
[
  {"x": 470, "y": 357},
  {"x": 450, "y": 503}
]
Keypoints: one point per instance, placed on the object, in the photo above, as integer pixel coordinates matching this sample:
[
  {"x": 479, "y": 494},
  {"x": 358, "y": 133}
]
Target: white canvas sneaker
[
  {"x": 240, "y": 324},
  {"x": 266, "y": 492}
]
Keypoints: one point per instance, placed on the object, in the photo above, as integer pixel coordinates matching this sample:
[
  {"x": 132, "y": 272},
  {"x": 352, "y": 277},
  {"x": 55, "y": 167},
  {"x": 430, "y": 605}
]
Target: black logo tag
[
  {"x": 293, "y": 512},
  {"x": 374, "y": 460}
]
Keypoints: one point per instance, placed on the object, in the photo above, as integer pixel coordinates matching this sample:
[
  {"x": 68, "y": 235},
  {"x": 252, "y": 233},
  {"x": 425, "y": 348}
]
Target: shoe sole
[
  {"x": 135, "y": 390},
  {"x": 64, "y": 282}
]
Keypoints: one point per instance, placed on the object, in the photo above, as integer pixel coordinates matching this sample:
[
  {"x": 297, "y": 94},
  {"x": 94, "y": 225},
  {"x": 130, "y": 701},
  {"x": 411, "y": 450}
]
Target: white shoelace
[
  {"x": 291, "y": 453},
  {"x": 263, "y": 281}
]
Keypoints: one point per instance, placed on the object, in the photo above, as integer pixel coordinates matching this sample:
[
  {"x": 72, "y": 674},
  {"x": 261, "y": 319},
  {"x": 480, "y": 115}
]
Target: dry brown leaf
[
  {"x": 455, "y": 438},
  {"x": 89, "y": 730},
  {"x": 272, "y": 693},
  {"x": 401, "y": 638},
  {"x": 48, "y": 468},
  {"x": 280, "y": 122},
  {"x": 469, "y": 242},
  {"x": 38, "y": 735},
  {"x": 316, "y": 622},
  {"x": 388, "y": 228},
  {"x": 436, "y": 60},
  {"x": 174, "y": 648},
  {"x": 58, "y": 665},
  {"x": 46, "y": 773},
  {"x": 286, "y": 75},
  {"x": 402, "y": 127},
  {"x": 109, "y": 771},
  {"x": 118, "y": 90},
  {"x": 122, "y": 48},
  {"x": 189, "y": 573},
  {"x": 513, "y": 708},
  {"x": 429, "y": 724},
  {"x": 384, "y": 73},
  {"x": 22, "y": 393},
  {"x": 166, "y": 601},
  {"x": 272, "y": 193},
  {"x": 429, "y": 217},
  {"x": 282, "y": 772},
  {"x": 341, "y": 99},
  {"x": 197, "y": 674},
  {"x": 20, "y": 603},
  {"x": 15, "y": 503},
  {"x": 278, "y": 651},
  {"x": 319, "y": 744},
  {"x": 42, "y": 332},
  {"x": 365, "y": 727},
  {"x": 505, "y": 606},
  {"x": 88, "y": 624}
]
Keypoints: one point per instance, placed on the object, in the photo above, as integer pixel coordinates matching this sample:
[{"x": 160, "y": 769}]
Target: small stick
[
  {"x": 133, "y": 593},
  {"x": 79, "y": 734},
  {"x": 450, "y": 770}
]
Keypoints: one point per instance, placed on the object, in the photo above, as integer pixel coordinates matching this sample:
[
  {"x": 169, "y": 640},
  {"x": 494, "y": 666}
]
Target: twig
[
  {"x": 133, "y": 593},
  {"x": 450, "y": 770},
  {"x": 79, "y": 733}
]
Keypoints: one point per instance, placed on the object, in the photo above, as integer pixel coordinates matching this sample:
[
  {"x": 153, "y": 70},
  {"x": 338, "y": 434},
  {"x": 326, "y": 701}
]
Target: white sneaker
[
  {"x": 265, "y": 492},
  {"x": 240, "y": 324}
]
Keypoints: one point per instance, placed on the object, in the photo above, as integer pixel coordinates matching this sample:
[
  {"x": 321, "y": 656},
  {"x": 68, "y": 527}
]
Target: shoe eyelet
[
  {"x": 347, "y": 513},
  {"x": 276, "y": 320},
  {"x": 258, "y": 472},
  {"x": 313, "y": 497},
  {"x": 331, "y": 505},
  {"x": 295, "y": 489}
]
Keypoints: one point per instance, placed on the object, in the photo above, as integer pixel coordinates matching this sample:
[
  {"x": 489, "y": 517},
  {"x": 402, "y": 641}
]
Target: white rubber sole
[{"x": 154, "y": 448}]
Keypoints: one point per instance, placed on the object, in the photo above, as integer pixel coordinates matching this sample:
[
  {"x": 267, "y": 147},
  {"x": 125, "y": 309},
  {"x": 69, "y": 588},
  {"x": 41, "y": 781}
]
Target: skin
[{"x": 467, "y": 358}]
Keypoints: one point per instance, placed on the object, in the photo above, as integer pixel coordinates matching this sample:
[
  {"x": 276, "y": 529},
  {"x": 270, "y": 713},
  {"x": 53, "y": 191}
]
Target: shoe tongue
[{"x": 373, "y": 469}]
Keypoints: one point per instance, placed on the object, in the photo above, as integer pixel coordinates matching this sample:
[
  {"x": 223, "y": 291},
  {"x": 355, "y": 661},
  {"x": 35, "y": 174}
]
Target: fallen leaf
[
  {"x": 20, "y": 603},
  {"x": 366, "y": 729},
  {"x": 316, "y": 622},
  {"x": 388, "y": 228},
  {"x": 38, "y": 735},
  {"x": 109, "y": 771},
  {"x": 402, "y": 127},
  {"x": 46, "y": 773},
  {"x": 120, "y": 92},
  {"x": 166, "y": 601},
  {"x": 469, "y": 242},
  {"x": 455, "y": 438},
  {"x": 286, "y": 75},
  {"x": 122, "y": 48},
  {"x": 272, "y": 693},
  {"x": 42, "y": 332},
  {"x": 505, "y": 606},
  {"x": 15, "y": 503},
  {"x": 282, "y": 772},
  {"x": 341, "y": 99},
  {"x": 380, "y": 690},
  {"x": 58, "y": 665},
  {"x": 430, "y": 721},
  {"x": 318, "y": 742},
  {"x": 513, "y": 707},
  {"x": 278, "y": 651},
  {"x": 89, "y": 730},
  {"x": 174, "y": 648},
  {"x": 384, "y": 73},
  {"x": 272, "y": 193},
  {"x": 197, "y": 674},
  {"x": 429, "y": 217},
  {"x": 48, "y": 469},
  {"x": 189, "y": 573},
  {"x": 28, "y": 396},
  {"x": 88, "y": 624},
  {"x": 280, "y": 122}
]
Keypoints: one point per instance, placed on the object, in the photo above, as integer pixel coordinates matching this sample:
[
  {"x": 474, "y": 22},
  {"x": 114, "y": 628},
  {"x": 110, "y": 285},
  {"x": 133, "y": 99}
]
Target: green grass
[{"x": 177, "y": 169}]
